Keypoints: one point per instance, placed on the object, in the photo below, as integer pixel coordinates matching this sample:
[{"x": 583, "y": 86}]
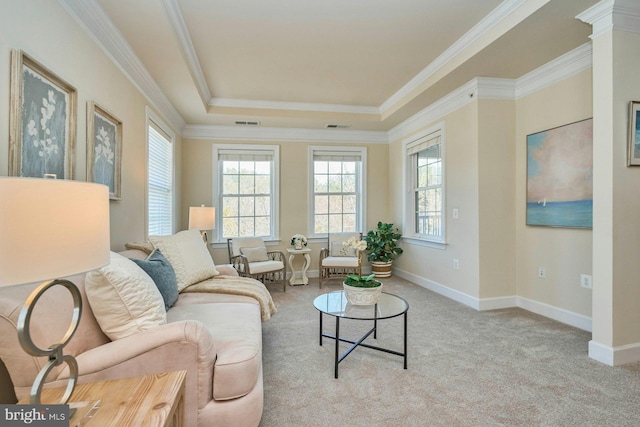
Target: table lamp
[
  {"x": 202, "y": 218},
  {"x": 51, "y": 229}
]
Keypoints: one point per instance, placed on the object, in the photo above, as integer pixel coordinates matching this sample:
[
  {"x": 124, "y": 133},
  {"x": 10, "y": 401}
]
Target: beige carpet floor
[{"x": 465, "y": 368}]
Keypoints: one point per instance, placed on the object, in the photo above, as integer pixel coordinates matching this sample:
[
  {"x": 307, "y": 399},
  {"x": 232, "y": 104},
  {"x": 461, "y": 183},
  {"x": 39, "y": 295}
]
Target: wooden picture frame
[
  {"x": 42, "y": 121},
  {"x": 633, "y": 144},
  {"x": 560, "y": 176},
  {"x": 104, "y": 149}
]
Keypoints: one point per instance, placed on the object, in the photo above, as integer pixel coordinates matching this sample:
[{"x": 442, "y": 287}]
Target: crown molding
[
  {"x": 91, "y": 17},
  {"x": 233, "y": 133},
  {"x": 567, "y": 65},
  {"x": 292, "y": 106},
  {"x": 188, "y": 50},
  {"x": 609, "y": 15},
  {"x": 480, "y": 29}
]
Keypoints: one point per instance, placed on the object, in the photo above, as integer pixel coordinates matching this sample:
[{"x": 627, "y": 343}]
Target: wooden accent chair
[
  {"x": 250, "y": 257},
  {"x": 338, "y": 262}
]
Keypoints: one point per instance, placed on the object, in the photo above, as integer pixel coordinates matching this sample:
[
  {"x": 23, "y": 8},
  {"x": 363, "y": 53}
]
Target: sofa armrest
[{"x": 183, "y": 345}]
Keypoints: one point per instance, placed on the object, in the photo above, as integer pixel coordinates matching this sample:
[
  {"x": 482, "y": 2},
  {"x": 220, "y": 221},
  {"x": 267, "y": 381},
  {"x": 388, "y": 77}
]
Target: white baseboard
[
  {"x": 576, "y": 320},
  {"x": 614, "y": 356}
]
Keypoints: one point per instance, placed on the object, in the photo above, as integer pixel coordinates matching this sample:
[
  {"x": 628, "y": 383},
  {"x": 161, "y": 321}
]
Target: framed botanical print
[
  {"x": 42, "y": 121},
  {"x": 633, "y": 148},
  {"x": 104, "y": 149}
]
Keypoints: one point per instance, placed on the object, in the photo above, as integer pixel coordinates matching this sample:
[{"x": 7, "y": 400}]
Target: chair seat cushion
[
  {"x": 340, "y": 261},
  {"x": 265, "y": 266},
  {"x": 236, "y": 330}
]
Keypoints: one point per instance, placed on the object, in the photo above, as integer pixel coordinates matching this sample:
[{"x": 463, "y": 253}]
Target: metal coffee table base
[{"x": 339, "y": 358}]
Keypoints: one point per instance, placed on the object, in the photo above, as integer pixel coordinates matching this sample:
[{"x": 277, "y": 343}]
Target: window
[
  {"x": 337, "y": 188},
  {"x": 246, "y": 183},
  {"x": 425, "y": 195},
  {"x": 159, "y": 180}
]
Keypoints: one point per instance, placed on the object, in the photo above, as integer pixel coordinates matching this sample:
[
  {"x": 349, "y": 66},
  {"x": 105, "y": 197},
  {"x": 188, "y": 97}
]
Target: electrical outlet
[
  {"x": 456, "y": 264},
  {"x": 542, "y": 272},
  {"x": 586, "y": 281},
  {"x": 456, "y": 213}
]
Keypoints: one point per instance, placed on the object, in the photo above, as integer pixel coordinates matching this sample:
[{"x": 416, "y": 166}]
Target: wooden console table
[{"x": 148, "y": 400}]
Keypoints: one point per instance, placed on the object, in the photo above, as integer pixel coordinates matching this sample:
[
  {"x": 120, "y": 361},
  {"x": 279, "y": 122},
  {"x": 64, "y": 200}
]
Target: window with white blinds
[
  {"x": 159, "y": 182},
  {"x": 338, "y": 190},
  {"x": 247, "y": 188},
  {"x": 425, "y": 203}
]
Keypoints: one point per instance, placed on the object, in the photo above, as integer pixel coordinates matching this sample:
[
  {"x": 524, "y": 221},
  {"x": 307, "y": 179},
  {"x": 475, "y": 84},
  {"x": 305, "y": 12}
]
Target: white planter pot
[
  {"x": 362, "y": 296},
  {"x": 381, "y": 268}
]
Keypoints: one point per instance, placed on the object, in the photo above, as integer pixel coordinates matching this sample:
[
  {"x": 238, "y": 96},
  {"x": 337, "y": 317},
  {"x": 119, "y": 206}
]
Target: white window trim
[
  {"x": 409, "y": 234},
  {"x": 362, "y": 196},
  {"x": 275, "y": 191},
  {"x": 152, "y": 116}
]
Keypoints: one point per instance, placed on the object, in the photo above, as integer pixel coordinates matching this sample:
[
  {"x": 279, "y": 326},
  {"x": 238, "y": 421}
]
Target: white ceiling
[{"x": 367, "y": 64}]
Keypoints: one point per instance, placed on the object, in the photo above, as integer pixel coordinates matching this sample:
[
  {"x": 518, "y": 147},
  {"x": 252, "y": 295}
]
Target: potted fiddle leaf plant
[{"x": 382, "y": 244}]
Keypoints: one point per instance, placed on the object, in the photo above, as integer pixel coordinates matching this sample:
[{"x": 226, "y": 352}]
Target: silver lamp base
[{"x": 54, "y": 352}]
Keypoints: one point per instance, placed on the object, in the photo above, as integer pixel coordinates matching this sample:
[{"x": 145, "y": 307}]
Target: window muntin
[
  {"x": 247, "y": 182},
  {"x": 337, "y": 188},
  {"x": 159, "y": 181}
]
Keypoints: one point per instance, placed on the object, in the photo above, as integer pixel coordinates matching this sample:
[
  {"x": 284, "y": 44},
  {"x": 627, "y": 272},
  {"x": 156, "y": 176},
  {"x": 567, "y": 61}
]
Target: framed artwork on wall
[
  {"x": 560, "y": 176},
  {"x": 633, "y": 153},
  {"x": 42, "y": 121},
  {"x": 104, "y": 149}
]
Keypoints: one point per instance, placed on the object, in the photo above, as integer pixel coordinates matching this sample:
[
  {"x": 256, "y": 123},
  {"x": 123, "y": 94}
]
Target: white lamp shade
[
  {"x": 51, "y": 229},
  {"x": 202, "y": 217}
]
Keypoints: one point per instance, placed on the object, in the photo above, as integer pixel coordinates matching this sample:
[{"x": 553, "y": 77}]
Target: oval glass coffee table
[{"x": 335, "y": 304}]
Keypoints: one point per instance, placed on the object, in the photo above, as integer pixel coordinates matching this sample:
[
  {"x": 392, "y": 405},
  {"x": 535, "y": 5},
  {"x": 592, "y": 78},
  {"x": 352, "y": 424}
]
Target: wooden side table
[
  {"x": 299, "y": 277},
  {"x": 148, "y": 400}
]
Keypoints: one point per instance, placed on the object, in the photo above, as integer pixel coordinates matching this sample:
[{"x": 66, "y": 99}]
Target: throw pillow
[
  {"x": 160, "y": 270},
  {"x": 188, "y": 256},
  {"x": 124, "y": 298},
  {"x": 145, "y": 247},
  {"x": 338, "y": 250},
  {"x": 255, "y": 254}
]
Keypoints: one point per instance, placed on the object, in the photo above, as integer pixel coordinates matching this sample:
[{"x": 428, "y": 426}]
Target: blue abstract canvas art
[{"x": 560, "y": 176}]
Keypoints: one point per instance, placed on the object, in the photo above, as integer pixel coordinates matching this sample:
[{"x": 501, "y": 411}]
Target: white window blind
[{"x": 160, "y": 182}]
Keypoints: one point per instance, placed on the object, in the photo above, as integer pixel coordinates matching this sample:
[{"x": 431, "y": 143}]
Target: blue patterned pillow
[{"x": 161, "y": 271}]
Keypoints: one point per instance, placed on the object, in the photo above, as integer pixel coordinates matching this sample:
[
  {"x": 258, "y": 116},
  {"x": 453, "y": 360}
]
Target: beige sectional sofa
[{"x": 215, "y": 337}]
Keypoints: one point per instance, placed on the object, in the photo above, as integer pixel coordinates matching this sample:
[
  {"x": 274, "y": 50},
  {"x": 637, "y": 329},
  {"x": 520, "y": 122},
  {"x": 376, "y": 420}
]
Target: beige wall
[
  {"x": 564, "y": 252},
  {"x": 44, "y": 31},
  {"x": 198, "y": 172}
]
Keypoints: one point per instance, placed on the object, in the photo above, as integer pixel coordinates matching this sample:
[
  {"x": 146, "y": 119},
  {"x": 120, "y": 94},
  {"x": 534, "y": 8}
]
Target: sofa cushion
[
  {"x": 338, "y": 249},
  {"x": 188, "y": 256},
  {"x": 237, "y": 335},
  {"x": 123, "y": 298},
  {"x": 160, "y": 270}
]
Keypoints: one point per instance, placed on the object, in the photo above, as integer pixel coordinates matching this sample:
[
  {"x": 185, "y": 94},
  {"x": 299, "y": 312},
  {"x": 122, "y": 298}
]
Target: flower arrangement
[
  {"x": 298, "y": 240},
  {"x": 362, "y": 281},
  {"x": 354, "y": 244}
]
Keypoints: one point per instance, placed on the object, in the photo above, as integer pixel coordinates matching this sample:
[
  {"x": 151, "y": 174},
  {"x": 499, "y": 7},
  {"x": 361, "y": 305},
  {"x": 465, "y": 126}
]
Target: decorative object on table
[
  {"x": 202, "y": 218},
  {"x": 560, "y": 176},
  {"x": 298, "y": 241},
  {"x": 633, "y": 153},
  {"x": 335, "y": 261},
  {"x": 382, "y": 244},
  {"x": 42, "y": 121},
  {"x": 362, "y": 290},
  {"x": 104, "y": 149},
  {"x": 53, "y": 229}
]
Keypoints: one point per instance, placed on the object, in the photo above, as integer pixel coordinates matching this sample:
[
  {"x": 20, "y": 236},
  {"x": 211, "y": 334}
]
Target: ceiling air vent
[
  {"x": 247, "y": 123},
  {"x": 333, "y": 126}
]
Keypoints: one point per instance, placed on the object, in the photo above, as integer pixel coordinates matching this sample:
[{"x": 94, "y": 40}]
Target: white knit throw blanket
[{"x": 238, "y": 286}]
